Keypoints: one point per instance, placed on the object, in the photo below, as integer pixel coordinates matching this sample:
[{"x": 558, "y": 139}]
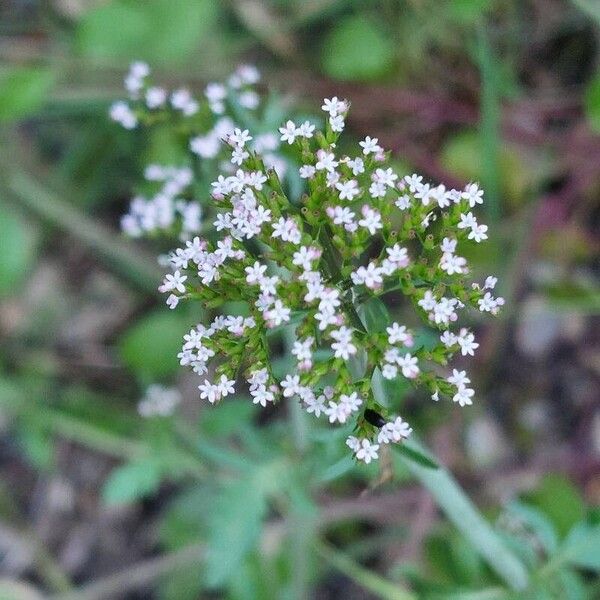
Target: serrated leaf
[
  {"x": 357, "y": 49},
  {"x": 236, "y": 526}
]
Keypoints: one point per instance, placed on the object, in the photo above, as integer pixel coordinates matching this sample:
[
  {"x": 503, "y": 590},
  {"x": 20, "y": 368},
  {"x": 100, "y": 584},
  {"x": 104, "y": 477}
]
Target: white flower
[
  {"x": 155, "y": 97},
  {"x": 307, "y": 171},
  {"x": 334, "y": 106},
  {"x": 289, "y": 132},
  {"x": 337, "y": 412},
  {"x": 409, "y": 366},
  {"x": 348, "y": 189},
  {"x": 464, "y": 396},
  {"x": 413, "y": 182},
  {"x": 337, "y": 123},
  {"x": 159, "y": 401},
  {"x": 451, "y": 263},
  {"x": 353, "y": 443},
  {"x": 352, "y": 401},
  {"x": 371, "y": 219},
  {"x": 398, "y": 429},
  {"x": 370, "y": 146},
  {"x": 448, "y": 245},
  {"x": 490, "y": 282},
  {"x": 225, "y": 386},
  {"x": 466, "y": 341},
  {"x": 478, "y": 233},
  {"x": 343, "y": 346},
  {"x": 122, "y": 114},
  {"x": 357, "y": 165},
  {"x": 458, "y": 378},
  {"x": 172, "y": 301},
  {"x": 305, "y": 130},
  {"x": 255, "y": 273},
  {"x": 239, "y": 137},
  {"x": 473, "y": 194},
  {"x": 399, "y": 334},
  {"x": 315, "y": 404},
  {"x": 467, "y": 221},
  {"x": 277, "y": 314},
  {"x": 403, "y": 202},
  {"x": 367, "y": 451},
  {"x": 173, "y": 282},
  {"x": 448, "y": 339},
  {"x": 389, "y": 371},
  {"x": 290, "y": 385},
  {"x": 209, "y": 391},
  {"x": 326, "y": 161}
]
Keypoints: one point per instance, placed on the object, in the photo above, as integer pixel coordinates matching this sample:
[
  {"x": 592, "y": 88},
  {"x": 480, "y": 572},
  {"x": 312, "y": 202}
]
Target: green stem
[
  {"x": 363, "y": 577},
  {"x": 122, "y": 255}
]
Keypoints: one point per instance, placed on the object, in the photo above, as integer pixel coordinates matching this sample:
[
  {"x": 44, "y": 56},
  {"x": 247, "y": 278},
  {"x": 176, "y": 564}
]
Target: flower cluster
[
  {"x": 165, "y": 211},
  {"x": 159, "y": 401},
  {"x": 207, "y": 126},
  {"x": 318, "y": 265}
]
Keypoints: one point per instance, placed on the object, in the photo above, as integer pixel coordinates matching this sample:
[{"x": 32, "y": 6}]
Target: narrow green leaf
[
  {"x": 538, "y": 523},
  {"x": 412, "y": 453},
  {"x": 367, "y": 579},
  {"x": 469, "y": 521},
  {"x": 17, "y": 248}
]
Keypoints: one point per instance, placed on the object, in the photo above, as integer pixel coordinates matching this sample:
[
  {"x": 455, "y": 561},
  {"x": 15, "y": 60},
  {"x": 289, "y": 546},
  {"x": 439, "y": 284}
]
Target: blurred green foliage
[{"x": 237, "y": 482}]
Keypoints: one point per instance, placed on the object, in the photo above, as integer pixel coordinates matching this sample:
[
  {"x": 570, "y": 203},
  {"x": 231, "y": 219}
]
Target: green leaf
[
  {"x": 133, "y": 481},
  {"x": 357, "y": 50},
  {"x": 572, "y": 585},
  {"x": 560, "y": 500},
  {"x": 468, "y": 520},
  {"x": 590, "y": 7},
  {"x": 227, "y": 417},
  {"x": 468, "y": 11},
  {"x": 236, "y": 526},
  {"x": 374, "y": 314},
  {"x": 538, "y": 523},
  {"x": 581, "y": 548},
  {"x": 150, "y": 347},
  {"x": 159, "y": 31},
  {"x": 23, "y": 90},
  {"x": 592, "y": 103},
  {"x": 409, "y": 451},
  {"x": 17, "y": 248}
]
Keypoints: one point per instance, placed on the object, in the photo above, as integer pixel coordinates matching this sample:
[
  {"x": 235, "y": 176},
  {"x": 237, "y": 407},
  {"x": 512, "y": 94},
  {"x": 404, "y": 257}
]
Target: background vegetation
[{"x": 232, "y": 502}]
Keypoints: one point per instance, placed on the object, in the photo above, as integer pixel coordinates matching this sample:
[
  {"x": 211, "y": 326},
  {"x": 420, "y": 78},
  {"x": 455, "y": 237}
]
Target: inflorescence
[{"x": 359, "y": 233}]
